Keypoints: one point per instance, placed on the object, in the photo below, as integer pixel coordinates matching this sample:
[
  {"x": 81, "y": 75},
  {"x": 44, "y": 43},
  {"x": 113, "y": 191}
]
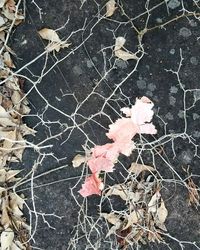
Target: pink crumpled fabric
[
  {"x": 137, "y": 121},
  {"x": 93, "y": 185}
]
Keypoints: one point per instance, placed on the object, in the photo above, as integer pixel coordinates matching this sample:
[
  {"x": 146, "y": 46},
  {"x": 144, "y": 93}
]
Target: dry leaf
[
  {"x": 78, "y": 160},
  {"x": 110, "y": 8},
  {"x": 2, "y": 2},
  {"x": 112, "y": 218},
  {"x": 25, "y": 130},
  {"x": 8, "y": 61},
  {"x": 16, "y": 204},
  {"x": 50, "y": 35},
  {"x": 138, "y": 168},
  {"x": 57, "y": 46},
  {"x": 5, "y": 219},
  {"x": 113, "y": 229},
  {"x": 124, "y": 194},
  {"x": 9, "y": 141},
  {"x": 133, "y": 218},
  {"x": 7, "y": 238},
  {"x": 10, "y": 175},
  {"x": 124, "y": 55},
  {"x": 2, "y": 21},
  {"x": 16, "y": 97},
  {"x": 120, "y": 53},
  {"x": 161, "y": 216},
  {"x": 153, "y": 204}
]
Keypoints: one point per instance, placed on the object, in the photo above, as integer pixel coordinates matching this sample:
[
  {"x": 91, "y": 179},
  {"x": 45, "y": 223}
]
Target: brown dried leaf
[
  {"x": 138, "y": 168},
  {"x": 112, "y": 218},
  {"x": 113, "y": 229},
  {"x": 5, "y": 219},
  {"x": 12, "y": 15},
  {"x": 78, "y": 160},
  {"x": 16, "y": 204},
  {"x": 162, "y": 212},
  {"x": 10, "y": 175},
  {"x": 9, "y": 141},
  {"x": 16, "y": 97},
  {"x": 110, "y": 8},
  {"x": 134, "y": 217},
  {"x": 124, "y": 194},
  {"x": 153, "y": 204},
  {"x": 7, "y": 60},
  {"x": 25, "y": 130}
]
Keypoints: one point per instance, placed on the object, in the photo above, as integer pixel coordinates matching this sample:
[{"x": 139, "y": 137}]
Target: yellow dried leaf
[
  {"x": 78, "y": 160},
  {"x": 138, "y": 168},
  {"x": 110, "y": 8}
]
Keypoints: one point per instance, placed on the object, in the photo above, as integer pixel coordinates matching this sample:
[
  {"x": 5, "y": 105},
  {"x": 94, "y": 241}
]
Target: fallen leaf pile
[
  {"x": 13, "y": 228},
  {"x": 10, "y": 14},
  {"x": 13, "y": 106},
  {"x": 145, "y": 213}
]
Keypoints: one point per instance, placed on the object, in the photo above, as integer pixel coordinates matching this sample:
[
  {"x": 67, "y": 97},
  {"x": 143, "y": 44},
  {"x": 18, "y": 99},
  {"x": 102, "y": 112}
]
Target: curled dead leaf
[
  {"x": 124, "y": 193},
  {"x": 112, "y": 218},
  {"x": 133, "y": 218},
  {"x": 138, "y": 168},
  {"x": 50, "y": 35},
  {"x": 120, "y": 52},
  {"x": 110, "y": 8},
  {"x": 153, "y": 204},
  {"x": 78, "y": 160}
]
